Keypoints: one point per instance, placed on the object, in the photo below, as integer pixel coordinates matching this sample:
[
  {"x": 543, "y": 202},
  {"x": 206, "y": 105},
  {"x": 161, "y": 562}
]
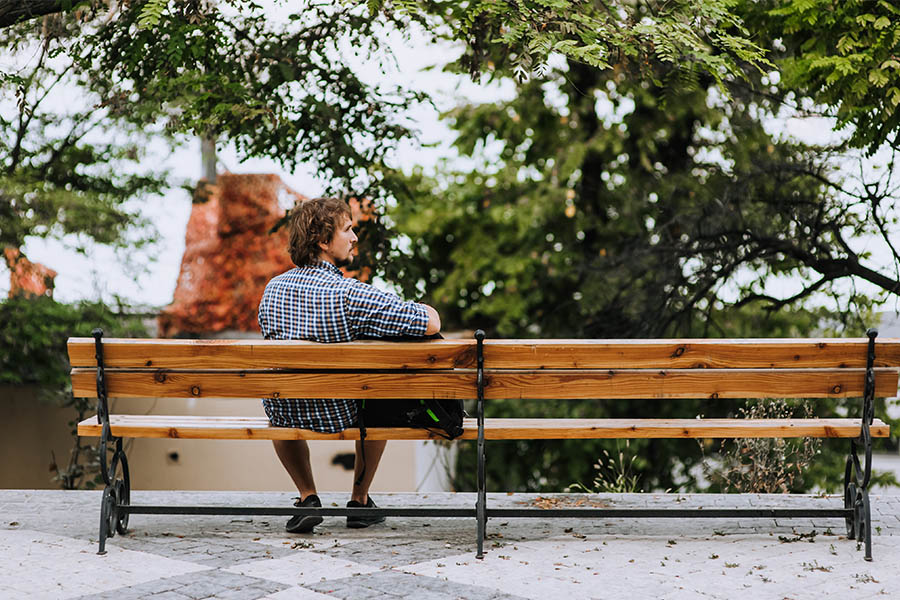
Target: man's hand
[{"x": 434, "y": 321}]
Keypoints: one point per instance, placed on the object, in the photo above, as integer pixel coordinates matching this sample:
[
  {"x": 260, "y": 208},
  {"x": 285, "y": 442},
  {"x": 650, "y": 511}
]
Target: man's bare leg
[
  {"x": 294, "y": 455},
  {"x": 374, "y": 450}
]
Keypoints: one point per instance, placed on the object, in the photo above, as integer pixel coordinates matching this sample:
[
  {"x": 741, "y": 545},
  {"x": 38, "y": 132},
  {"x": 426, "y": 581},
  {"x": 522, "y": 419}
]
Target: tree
[
  {"x": 667, "y": 213},
  {"x": 284, "y": 91},
  {"x": 13, "y": 12},
  {"x": 844, "y": 56},
  {"x": 281, "y": 91},
  {"x": 634, "y": 224},
  {"x": 62, "y": 171},
  {"x": 692, "y": 37},
  {"x": 63, "y": 174},
  {"x": 608, "y": 206}
]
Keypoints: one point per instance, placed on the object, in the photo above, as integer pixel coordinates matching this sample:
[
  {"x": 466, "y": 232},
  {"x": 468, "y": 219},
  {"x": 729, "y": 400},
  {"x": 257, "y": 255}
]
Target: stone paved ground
[{"x": 48, "y": 550}]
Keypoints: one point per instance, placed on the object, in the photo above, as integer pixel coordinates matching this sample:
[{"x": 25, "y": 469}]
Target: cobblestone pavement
[{"x": 48, "y": 550}]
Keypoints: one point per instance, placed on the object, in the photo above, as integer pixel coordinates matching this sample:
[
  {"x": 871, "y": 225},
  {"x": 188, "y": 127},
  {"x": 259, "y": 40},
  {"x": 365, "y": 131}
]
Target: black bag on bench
[{"x": 443, "y": 417}]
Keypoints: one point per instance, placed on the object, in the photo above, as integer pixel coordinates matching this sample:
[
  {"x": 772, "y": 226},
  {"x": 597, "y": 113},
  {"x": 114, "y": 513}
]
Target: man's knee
[{"x": 291, "y": 445}]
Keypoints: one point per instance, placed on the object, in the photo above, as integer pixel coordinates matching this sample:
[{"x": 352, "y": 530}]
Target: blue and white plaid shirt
[{"x": 317, "y": 303}]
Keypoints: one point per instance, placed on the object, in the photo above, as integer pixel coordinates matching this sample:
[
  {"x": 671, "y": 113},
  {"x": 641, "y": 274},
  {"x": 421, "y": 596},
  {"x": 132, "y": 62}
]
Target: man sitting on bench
[{"x": 315, "y": 302}]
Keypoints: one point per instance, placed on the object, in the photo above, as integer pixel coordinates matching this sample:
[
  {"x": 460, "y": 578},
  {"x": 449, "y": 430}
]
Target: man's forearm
[{"x": 434, "y": 320}]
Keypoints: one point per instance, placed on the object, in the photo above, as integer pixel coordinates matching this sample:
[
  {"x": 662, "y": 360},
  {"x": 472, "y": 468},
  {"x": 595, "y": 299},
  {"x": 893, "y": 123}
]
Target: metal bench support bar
[
  {"x": 681, "y": 513},
  {"x": 611, "y": 513},
  {"x": 138, "y": 509}
]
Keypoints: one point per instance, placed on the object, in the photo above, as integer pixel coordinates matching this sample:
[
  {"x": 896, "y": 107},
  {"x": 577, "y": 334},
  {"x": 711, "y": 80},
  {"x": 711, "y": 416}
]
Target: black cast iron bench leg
[
  {"x": 481, "y": 501},
  {"x": 117, "y": 492},
  {"x": 857, "y": 475}
]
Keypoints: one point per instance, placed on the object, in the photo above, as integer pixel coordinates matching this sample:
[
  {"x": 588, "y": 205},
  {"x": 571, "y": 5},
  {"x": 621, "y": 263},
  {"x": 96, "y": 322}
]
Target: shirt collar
[{"x": 324, "y": 264}]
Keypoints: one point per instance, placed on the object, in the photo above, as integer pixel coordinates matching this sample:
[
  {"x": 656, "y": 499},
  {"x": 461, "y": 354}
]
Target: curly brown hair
[{"x": 313, "y": 222}]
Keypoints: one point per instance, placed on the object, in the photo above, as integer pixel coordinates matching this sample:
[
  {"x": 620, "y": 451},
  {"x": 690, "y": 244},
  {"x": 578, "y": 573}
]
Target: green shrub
[{"x": 33, "y": 334}]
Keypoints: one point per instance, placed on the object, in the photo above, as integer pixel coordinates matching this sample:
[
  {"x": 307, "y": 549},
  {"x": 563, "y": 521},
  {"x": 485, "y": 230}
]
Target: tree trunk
[
  {"x": 17, "y": 11},
  {"x": 208, "y": 157}
]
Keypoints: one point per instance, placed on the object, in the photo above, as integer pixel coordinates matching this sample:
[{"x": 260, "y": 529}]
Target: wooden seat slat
[
  {"x": 539, "y": 384},
  {"x": 249, "y": 428},
  {"x": 526, "y": 354}
]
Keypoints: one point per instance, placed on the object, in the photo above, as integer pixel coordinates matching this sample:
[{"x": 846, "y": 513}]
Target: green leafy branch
[
  {"x": 847, "y": 59},
  {"x": 151, "y": 13},
  {"x": 524, "y": 35}
]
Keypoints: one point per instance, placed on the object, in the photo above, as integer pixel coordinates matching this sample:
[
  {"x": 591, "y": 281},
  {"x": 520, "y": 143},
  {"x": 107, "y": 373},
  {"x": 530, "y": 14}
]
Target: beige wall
[
  {"x": 32, "y": 430},
  {"x": 242, "y": 465}
]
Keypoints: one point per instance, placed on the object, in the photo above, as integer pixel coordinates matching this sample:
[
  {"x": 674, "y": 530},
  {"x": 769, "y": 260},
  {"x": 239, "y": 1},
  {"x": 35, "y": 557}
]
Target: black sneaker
[
  {"x": 304, "y": 523},
  {"x": 355, "y": 522}
]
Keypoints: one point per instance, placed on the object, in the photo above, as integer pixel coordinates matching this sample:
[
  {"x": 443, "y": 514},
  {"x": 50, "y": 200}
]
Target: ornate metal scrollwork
[
  {"x": 123, "y": 488},
  {"x": 850, "y": 497},
  {"x": 117, "y": 493},
  {"x": 857, "y": 474}
]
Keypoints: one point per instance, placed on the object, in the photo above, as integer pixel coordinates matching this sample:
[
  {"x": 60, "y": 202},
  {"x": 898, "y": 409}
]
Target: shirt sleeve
[{"x": 376, "y": 313}]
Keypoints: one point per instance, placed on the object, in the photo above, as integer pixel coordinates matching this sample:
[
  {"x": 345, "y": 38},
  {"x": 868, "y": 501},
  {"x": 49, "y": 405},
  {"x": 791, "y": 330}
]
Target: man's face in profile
[{"x": 339, "y": 251}]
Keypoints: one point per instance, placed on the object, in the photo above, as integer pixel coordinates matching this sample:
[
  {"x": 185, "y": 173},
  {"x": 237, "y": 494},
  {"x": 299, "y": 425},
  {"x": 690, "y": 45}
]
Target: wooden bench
[{"x": 482, "y": 370}]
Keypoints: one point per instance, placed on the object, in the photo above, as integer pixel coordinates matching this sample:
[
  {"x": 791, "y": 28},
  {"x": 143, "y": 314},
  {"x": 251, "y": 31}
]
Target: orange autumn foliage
[{"x": 26, "y": 277}]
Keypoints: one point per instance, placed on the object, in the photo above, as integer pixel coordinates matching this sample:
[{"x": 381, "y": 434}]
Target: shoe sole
[
  {"x": 305, "y": 525},
  {"x": 357, "y": 524}
]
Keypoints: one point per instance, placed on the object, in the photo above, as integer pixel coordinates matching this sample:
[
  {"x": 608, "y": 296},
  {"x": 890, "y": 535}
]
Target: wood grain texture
[
  {"x": 273, "y": 384},
  {"x": 500, "y": 384},
  {"x": 258, "y": 428},
  {"x": 687, "y": 383},
  {"x": 273, "y": 354},
  {"x": 499, "y": 354},
  {"x": 689, "y": 353}
]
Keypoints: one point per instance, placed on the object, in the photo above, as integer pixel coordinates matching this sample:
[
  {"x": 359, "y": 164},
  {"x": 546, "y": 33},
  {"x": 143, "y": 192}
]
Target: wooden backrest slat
[
  {"x": 262, "y": 354},
  {"x": 276, "y": 384},
  {"x": 534, "y": 384},
  {"x": 760, "y": 353},
  {"x": 688, "y": 383},
  {"x": 499, "y": 354}
]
